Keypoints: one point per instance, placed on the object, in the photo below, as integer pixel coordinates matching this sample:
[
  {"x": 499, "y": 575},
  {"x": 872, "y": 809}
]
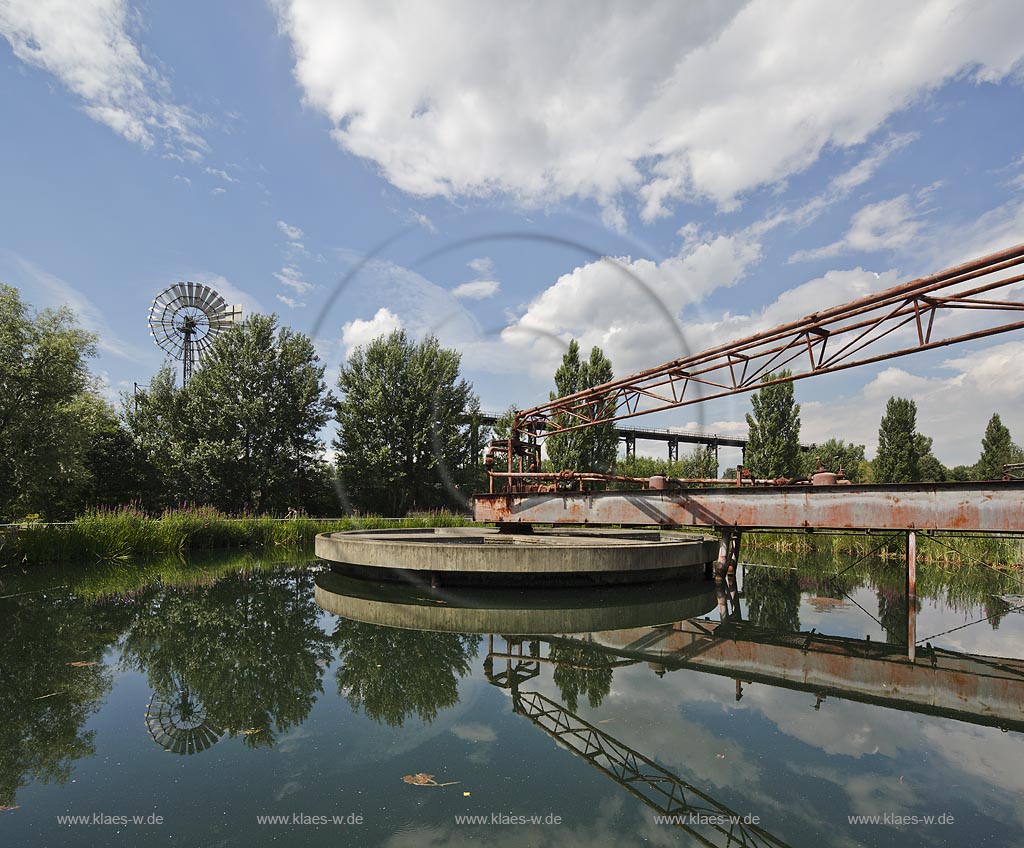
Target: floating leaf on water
[
  {"x": 465, "y": 794},
  {"x": 422, "y": 779}
]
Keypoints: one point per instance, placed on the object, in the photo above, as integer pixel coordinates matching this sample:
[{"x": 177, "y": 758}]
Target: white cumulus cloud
[
  {"x": 631, "y": 308},
  {"x": 655, "y": 102},
  {"x": 361, "y": 332},
  {"x": 887, "y": 225},
  {"x": 477, "y": 289}
]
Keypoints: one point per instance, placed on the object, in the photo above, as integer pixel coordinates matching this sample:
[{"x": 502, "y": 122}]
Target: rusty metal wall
[{"x": 982, "y": 507}]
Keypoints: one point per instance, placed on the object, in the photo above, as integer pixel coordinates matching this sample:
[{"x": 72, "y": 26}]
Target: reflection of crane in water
[
  {"x": 710, "y": 822},
  {"x": 178, "y": 722}
]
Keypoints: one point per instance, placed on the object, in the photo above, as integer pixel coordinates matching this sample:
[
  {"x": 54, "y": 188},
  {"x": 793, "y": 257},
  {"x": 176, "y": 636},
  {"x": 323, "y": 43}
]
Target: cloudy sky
[{"x": 649, "y": 177}]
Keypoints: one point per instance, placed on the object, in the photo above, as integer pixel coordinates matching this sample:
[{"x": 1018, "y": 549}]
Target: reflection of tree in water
[
  {"x": 248, "y": 648},
  {"x": 44, "y": 700},
  {"x": 892, "y": 612},
  {"x": 582, "y": 670},
  {"x": 773, "y": 598},
  {"x": 996, "y": 609},
  {"x": 392, "y": 674}
]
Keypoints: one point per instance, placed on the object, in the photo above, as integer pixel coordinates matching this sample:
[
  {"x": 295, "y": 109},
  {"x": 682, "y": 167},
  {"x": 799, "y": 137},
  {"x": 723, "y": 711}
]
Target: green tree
[
  {"x": 929, "y": 469},
  {"x": 44, "y": 383},
  {"x": 244, "y": 434},
  {"x": 155, "y": 419},
  {"x": 898, "y": 449},
  {"x": 590, "y": 448},
  {"x": 254, "y": 412},
  {"x": 836, "y": 454},
  {"x": 402, "y": 425},
  {"x": 700, "y": 463},
  {"x": 119, "y": 472},
  {"x": 997, "y": 450},
  {"x": 773, "y": 447},
  {"x": 961, "y": 473},
  {"x": 905, "y": 455}
]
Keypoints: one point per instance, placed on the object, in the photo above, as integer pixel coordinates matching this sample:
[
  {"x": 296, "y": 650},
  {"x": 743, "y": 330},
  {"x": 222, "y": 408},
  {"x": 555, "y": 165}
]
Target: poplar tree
[
  {"x": 773, "y": 442},
  {"x": 898, "y": 447},
  {"x": 589, "y": 448},
  {"x": 997, "y": 450}
]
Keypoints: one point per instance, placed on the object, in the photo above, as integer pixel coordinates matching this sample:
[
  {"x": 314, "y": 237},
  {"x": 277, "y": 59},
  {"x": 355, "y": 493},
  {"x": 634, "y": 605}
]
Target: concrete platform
[
  {"x": 501, "y": 610},
  {"x": 483, "y": 555}
]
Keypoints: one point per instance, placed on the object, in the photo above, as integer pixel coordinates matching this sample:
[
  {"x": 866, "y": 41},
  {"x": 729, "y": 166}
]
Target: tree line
[
  {"x": 904, "y": 453},
  {"x": 245, "y": 434}
]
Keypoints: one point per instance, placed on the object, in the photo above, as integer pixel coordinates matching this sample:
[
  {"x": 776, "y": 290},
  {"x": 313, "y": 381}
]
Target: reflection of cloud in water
[
  {"x": 838, "y": 727},
  {"x": 648, "y": 715},
  {"x": 290, "y": 788},
  {"x": 475, "y": 732},
  {"x": 987, "y": 754},
  {"x": 366, "y": 746},
  {"x": 601, "y": 831}
]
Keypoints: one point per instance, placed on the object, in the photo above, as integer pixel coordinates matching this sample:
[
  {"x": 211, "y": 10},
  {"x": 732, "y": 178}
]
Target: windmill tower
[{"x": 185, "y": 319}]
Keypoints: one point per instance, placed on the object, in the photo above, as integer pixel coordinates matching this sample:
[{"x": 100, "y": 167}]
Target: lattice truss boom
[
  {"x": 707, "y": 820},
  {"x": 915, "y": 316}
]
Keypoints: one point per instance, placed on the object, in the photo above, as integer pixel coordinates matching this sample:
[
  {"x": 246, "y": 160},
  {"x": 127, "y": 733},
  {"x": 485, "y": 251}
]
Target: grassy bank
[
  {"x": 106, "y": 535},
  {"x": 940, "y": 548}
]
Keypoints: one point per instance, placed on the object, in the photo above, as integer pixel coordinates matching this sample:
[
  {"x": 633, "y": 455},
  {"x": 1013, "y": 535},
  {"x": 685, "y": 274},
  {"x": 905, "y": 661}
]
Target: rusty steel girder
[
  {"x": 996, "y": 507},
  {"x": 857, "y": 333}
]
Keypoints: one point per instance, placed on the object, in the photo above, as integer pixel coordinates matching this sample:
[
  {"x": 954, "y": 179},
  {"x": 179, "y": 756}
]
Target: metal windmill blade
[{"x": 184, "y": 320}]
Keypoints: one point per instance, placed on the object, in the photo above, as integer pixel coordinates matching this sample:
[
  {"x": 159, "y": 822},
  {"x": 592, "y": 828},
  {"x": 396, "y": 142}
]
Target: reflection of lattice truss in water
[
  {"x": 700, "y": 815},
  {"x": 185, "y": 319},
  {"x": 179, "y": 724}
]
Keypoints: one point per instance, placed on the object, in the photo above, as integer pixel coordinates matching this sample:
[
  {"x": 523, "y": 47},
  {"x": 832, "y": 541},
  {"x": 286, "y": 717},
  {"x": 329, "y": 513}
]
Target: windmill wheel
[
  {"x": 179, "y": 724},
  {"x": 185, "y": 319}
]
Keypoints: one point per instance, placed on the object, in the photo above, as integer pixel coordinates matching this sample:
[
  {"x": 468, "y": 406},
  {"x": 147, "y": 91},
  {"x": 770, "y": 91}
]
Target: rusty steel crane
[{"x": 862, "y": 332}]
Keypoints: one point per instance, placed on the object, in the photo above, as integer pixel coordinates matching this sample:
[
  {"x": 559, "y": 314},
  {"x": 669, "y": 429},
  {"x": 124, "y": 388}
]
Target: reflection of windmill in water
[
  {"x": 185, "y": 319},
  {"x": 710, "y": 822},
  {"x": 178, "y": 722}
]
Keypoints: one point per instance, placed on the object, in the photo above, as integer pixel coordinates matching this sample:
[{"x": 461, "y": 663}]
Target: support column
[
  {"x": 911, "y": 595},
  {"x": 630, "y": 446},
  {"x": 722, "y": 566},
  {"x": 673, "y": 450},
  {"x": 728, "y": 555}
]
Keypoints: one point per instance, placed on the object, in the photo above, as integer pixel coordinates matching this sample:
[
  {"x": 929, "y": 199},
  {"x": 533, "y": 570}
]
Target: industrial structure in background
[
  {"x": 961, "y": 304},
  {"x": 185, "y": 319}
]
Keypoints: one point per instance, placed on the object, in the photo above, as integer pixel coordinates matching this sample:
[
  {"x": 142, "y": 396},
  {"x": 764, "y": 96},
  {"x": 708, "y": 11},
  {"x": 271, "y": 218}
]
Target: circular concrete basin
[{"x": 473, "y": 555}]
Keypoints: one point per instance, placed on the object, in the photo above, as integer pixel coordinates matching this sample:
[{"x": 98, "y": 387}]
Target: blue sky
[{"x": 462, "y": 169}]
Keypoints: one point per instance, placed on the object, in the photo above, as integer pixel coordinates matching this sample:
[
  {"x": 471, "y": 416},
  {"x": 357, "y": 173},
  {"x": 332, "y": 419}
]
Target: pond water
[{"x": 217, "y": 703}]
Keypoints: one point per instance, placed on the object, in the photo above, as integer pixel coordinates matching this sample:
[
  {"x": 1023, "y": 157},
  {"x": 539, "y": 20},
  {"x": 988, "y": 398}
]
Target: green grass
[
  {"x": 939, "y": 548},
  {"x": 113, "y": 535}
]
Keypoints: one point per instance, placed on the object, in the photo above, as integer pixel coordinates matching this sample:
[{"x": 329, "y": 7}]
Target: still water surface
[{"x": 180, "y": 705}]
